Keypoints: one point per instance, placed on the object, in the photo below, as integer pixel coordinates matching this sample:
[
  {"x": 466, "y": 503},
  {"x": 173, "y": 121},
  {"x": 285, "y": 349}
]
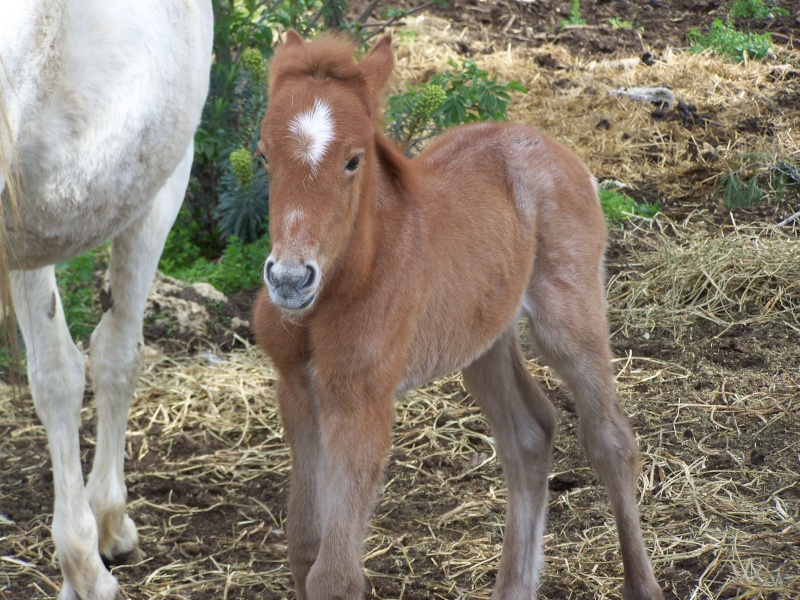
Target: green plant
[
  {"x": 78, "y": 289},
  {"x": 618, "y": 206},
  {"x": 462, "y": 94},
  {"x": 759, "y": 177},
  {"x": 620, "y": 24},
  {"x": 737, "y": 194},
  {"x": 722, "y": 38},
  {"x": 754, "y": 9},
  {"x": 575, "y": 17},
  {"x": 239, "y": 267}
]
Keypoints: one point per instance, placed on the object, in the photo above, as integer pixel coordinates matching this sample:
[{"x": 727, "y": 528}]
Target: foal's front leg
[
  {"x": 301, "y": 427},
  {"x": 355, "y": 428}
]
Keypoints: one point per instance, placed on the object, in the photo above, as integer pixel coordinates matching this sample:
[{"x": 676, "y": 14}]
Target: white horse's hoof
[
  {"x": 105, "y": 588},
  {"x": 121, "y": 546}
]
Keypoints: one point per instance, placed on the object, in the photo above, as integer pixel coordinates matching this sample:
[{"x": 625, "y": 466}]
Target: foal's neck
[{"x": 381, "y": 221}]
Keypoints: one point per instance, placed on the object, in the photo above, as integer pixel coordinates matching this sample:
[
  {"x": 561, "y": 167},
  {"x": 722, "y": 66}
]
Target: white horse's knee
[
  {"x": 116, "y": 360},
  {"x": 58, "y": 391}
]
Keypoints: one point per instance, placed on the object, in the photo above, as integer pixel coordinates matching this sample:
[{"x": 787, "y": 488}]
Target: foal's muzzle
[{"x": 293, "y": 285}]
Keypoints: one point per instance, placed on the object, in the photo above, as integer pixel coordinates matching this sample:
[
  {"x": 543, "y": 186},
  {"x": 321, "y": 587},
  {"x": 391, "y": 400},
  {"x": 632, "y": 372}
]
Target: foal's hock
[{"x": 387, "y": 272}]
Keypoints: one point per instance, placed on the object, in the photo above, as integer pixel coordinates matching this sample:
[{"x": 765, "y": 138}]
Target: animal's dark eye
[{"x": 354, "y": 162}]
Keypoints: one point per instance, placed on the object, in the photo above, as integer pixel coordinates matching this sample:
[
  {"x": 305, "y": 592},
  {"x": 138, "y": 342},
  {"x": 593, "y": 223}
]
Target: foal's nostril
[
  {"x": 268, "y": 271},
  {"x": 310, "y": 277}
]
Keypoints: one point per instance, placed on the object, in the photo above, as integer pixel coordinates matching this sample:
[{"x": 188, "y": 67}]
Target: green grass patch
[
  {"x": 722, "y": 38},
  {"x": 575, "y": 17},
  {"x": 755, "y": 9},
  {"x": 620, "y": 24},
  {"x": 619, "y": 207},
  {"x": 760, "y": 177}
]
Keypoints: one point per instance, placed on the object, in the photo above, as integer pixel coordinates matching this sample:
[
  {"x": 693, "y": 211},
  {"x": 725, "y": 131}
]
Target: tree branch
[{"x": 397, "y": 18}]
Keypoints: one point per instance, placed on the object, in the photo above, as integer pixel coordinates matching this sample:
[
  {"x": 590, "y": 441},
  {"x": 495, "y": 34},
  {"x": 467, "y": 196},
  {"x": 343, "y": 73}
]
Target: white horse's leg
[
  {"x": 116, "y": 358},
  {"x": 57, "y": 378},
  {"x": 523, "y": 424}
]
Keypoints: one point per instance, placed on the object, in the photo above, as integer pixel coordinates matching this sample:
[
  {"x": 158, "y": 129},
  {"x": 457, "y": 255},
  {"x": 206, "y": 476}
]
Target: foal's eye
[{"x": 354, "y": 162}]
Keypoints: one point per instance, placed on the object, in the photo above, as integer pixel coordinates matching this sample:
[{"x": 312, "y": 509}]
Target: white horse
[{"x": 99, "y": 102}]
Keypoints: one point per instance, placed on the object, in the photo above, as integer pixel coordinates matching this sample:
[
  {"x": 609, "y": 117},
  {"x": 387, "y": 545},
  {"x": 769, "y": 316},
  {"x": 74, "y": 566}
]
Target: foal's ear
[
  {"x": 378, "y": 64},
  {"x": 293, "y": 39}
]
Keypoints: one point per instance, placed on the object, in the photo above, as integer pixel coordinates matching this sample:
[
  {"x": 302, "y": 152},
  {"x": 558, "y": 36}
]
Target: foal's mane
[
  {"x": 332, "y": 56},
  {"x": 328, "y": 56}
]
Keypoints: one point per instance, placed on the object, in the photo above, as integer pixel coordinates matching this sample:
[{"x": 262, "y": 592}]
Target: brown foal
[{"x": 387, "y": 272}]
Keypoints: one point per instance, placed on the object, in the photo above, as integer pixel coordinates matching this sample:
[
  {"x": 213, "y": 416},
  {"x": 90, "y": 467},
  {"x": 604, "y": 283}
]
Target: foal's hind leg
[
  {"x": 568, "y": 324},
  {"x": 116, "y": 352},
  {"x": 56, "y": 374},
  {"x": 523, "y": 424}
]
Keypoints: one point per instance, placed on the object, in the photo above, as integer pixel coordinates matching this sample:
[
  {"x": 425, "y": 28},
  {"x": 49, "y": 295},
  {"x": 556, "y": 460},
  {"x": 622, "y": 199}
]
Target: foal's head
[{"x": 318, "y": 140}]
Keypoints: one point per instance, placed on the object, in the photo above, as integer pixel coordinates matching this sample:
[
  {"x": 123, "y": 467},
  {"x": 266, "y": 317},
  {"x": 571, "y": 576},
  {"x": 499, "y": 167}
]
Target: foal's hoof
[{"x": 649, "y": 590}]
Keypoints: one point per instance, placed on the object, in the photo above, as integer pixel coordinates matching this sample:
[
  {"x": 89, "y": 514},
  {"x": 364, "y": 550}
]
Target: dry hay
[
  {"x": 737, "y": 275},
  {"x": 207, "y": 467},
  {"x": 568, "y": 97},
  {"x": 720, "y": 524}
]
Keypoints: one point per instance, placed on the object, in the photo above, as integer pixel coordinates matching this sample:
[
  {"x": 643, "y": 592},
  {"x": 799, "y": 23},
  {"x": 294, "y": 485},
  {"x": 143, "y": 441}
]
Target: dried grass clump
[{"x": 741, "y": 275}]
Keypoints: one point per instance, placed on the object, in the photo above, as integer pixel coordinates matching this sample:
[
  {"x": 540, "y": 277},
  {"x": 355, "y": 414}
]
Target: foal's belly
[{"x": 460, "y": 324}]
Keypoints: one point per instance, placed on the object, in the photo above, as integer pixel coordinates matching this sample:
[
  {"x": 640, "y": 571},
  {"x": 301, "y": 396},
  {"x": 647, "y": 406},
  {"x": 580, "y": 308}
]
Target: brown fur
[{"x": 425, "y": 266}]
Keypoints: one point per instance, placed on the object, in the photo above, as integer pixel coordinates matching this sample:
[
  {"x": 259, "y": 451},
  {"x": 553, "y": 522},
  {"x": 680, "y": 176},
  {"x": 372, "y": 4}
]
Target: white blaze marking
[
  {"x": 313, "y": 132},
  {"x": 293, "y": 217}
]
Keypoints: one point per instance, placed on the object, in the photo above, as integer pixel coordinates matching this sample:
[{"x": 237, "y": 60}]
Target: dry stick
[
  {"x": 367, "y": 11},
  {"x": 397, "y": 18},
  {"x": 788, "y": 219}
]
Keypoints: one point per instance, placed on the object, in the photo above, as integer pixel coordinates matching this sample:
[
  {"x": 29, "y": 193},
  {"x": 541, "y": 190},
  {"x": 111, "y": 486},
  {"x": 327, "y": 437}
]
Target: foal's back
[{"x": 498, "y": 204}]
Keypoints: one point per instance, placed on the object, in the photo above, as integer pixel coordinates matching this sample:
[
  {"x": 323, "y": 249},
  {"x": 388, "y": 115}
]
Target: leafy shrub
[
  {"x": 462, "y": 94},
  {"x": 722, "y": 38},
  {"x": 619, "y": 207},
  {"x": 239, "y": 267}
]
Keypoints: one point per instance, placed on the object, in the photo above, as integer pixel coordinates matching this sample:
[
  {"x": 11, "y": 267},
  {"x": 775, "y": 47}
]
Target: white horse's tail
[{"x": 9, "y": 212}]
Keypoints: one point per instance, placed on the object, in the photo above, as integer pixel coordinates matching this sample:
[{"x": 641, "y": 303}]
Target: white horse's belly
[{"x": 114, "y": 124}]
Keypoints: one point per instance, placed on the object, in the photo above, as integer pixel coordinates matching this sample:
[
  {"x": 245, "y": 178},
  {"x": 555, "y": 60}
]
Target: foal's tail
[{"x": 9, "y": 211}]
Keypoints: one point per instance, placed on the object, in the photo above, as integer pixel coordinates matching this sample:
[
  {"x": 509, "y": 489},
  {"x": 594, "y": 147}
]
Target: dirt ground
[{"x": 714, "y": 400}]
